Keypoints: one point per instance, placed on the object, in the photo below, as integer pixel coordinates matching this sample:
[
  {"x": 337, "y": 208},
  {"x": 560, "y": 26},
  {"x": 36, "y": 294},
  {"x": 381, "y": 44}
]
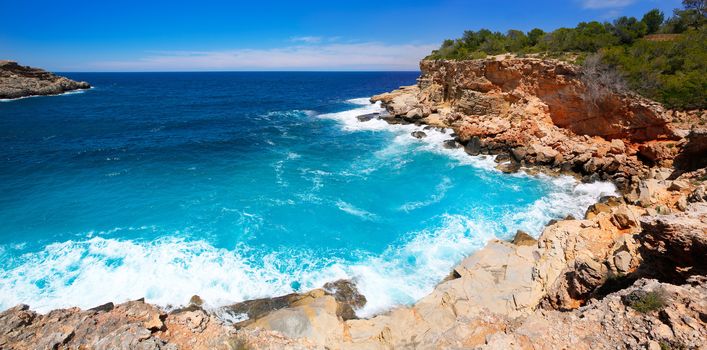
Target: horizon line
[{"x": 246, "y": 71}]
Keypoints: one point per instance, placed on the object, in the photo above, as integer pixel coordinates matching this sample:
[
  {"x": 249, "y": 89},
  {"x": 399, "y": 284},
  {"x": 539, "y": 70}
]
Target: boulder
[
  {"x": 414, "y": 114},
  {"x": 678, "y": 185},
  {"x": 523, "y": 238},
  {"x": 367, "y": 117},
  {"x": 595, "y": 209},
  {"x": 622, "y": 261},
  {"x": 473, "y": 146},
  {"x": 658, "y": 153},
  {"x": 418, "y": 134},
  {"x": 675, "y": 245},
  {"x": 624, "y": 218},
  {"x": 451, "y": 144},
  {"x": 508, "y": 167},
  {"x": 699, "y": 194}
]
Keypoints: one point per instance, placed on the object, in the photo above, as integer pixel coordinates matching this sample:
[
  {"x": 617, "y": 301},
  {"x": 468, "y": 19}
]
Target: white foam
[
  {"x": 169, "y": 271},
  {"x": 433, "y": 142},
  {"x": 351, "y": 123},
  {"x": 441, "y": 190},
  {"x": 363, "y": 101},
  {"x": 351, "y": 209}
]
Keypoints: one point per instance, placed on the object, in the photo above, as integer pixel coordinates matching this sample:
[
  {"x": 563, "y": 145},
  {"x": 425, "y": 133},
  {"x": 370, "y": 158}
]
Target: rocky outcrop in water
[{"x": 21, "y": 81}]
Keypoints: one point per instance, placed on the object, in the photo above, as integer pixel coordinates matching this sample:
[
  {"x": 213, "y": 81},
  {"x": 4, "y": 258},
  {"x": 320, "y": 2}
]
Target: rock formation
[
  {"x": 630, "y": 274},
  {"x": 21, "y": 81}
]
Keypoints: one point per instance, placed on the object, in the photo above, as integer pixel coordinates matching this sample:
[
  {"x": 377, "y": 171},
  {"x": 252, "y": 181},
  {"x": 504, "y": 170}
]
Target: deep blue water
[{"x": 242, "y": 185}]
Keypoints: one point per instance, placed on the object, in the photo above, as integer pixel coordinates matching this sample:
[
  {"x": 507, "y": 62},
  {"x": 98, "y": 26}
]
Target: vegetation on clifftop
[{"x": 663, "y": 59}]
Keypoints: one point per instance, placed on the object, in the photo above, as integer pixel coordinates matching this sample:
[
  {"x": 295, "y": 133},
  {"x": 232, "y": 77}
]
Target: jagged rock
[
  {"x": 623, "y": 218},
  {"x": 595, "y": 209},
  {"x": 647, "y": 192},
  {"x": 20, "y": 81},
  {"x": 523, "y": 238},
  {"x": 418, "y": 134},
  {"x": 617, "y": 146},
  {"x": 544, "y": 154},
  {"x": 610, "y": 324},
  {"x": 451, "y": 144},
  {"x": 196, "y": 300},
  {"x": 678, "y": 185},
  {"x": 348, "y": 297},
  {"x": 313, "y": 318},
  {"x": 195, "y": 320},
  {"x": 692, "y": 156},
  {"x": 508, "y": 167},
  {"x": 658, "y": 153},
  {"x": 675, "y": 245},
  {"x": 399, "y": 102},
  {"x": 519, "y": 153},
  {"x": 414, "y": 114},
  {"x": 699, "y": 194},
  {"x": 681, "y": 203},
  {"x": 622, "y": 261},
  {"x": 367, "y": 117},
  {"x": 473, "y": 146}
]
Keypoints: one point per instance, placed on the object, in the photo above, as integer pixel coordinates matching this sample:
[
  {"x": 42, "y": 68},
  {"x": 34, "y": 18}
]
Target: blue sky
[{"x": 73, "y": 35}]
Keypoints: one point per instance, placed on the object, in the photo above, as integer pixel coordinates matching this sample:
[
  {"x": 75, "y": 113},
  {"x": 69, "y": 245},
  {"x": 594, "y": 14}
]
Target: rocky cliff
[
  {"x": 21, "y": 81},
  {"x": 630, "y": 274}
]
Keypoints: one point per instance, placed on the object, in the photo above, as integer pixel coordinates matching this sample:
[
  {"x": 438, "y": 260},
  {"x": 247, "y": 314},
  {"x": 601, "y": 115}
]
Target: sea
[{"x": 242, "y": 185}]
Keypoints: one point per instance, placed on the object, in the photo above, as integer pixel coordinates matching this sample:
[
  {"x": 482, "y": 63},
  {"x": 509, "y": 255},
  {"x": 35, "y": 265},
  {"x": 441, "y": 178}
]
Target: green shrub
[{"x": 645, "y": 302}]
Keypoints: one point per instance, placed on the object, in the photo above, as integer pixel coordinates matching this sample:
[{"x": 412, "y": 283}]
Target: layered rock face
[
  {"x": 483, "y": 87},
  {"x": 573, "y": 100},
  {"x": 21, "y": 81}
]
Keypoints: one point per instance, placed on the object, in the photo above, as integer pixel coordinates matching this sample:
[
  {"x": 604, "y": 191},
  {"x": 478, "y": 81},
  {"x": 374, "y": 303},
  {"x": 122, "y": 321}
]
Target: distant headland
[{"x": 17, "y": 81}]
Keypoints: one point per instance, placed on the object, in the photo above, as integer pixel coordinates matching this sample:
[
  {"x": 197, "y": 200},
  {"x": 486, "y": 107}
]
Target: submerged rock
[
  {"x": 451, "y": 144},
  {"x": 418, "y": 134},
  {"x": 367, "y": 117}
]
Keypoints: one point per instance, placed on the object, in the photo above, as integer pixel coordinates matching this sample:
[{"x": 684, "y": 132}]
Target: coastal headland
[
  {"x": 629, "y": 274},
  {"x": 17, "y": 81}
]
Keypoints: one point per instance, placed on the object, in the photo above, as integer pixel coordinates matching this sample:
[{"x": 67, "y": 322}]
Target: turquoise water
[{"x": 235, "y": 186}]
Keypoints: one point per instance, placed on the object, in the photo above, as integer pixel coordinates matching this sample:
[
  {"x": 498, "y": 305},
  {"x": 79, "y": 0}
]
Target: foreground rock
[{"x": 21, "y": 81}]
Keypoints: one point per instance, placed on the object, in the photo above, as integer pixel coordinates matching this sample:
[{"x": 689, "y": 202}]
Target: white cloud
[
  {"x": 307, "y": 39},
  {"x": 603, "y": 4},
  {"x": 351, "y": 56}
]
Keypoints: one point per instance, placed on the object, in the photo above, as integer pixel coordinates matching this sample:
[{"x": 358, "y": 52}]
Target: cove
[{"x": 236, "y": 186}]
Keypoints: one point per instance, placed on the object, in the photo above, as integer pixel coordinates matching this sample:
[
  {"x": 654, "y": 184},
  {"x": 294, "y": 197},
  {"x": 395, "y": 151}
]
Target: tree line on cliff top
[{"x": 661, "y": 58}]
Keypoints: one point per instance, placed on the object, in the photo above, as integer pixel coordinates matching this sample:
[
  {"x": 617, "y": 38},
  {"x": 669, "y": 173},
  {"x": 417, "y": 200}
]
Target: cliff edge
[{"x": 21, "y": 81}]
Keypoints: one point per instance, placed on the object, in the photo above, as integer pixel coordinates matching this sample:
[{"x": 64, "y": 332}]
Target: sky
[{"x": 218, "y": 35}]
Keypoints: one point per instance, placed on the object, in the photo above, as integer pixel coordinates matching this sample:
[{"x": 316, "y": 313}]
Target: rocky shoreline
[
  {"x": 18, "y": 81},
  {"x": 630, "y": 274}
]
